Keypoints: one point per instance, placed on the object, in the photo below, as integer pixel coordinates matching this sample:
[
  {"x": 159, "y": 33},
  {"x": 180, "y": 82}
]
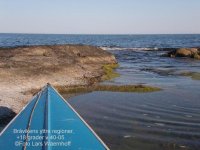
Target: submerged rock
[
  {"x": 160, "y": 71},
  {"x": 192, "y": 75},
  {"x": 185, "y": 52}
]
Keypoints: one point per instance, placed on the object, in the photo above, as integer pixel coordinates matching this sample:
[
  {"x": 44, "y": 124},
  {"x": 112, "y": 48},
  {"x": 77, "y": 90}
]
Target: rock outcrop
[
  {"x": 185, "y": 52},
  {"x": 26, "y": 68}
]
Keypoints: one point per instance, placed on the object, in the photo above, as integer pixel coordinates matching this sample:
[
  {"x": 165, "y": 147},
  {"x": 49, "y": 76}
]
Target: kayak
[{"x": 49, "y": 122}]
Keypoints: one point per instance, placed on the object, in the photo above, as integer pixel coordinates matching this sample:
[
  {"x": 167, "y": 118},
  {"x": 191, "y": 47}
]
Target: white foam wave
[{"x": 131, "y": 49}]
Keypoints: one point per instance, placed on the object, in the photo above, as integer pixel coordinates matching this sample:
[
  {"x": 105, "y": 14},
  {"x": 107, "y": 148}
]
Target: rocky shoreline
[{"x": 26, "y": 68}]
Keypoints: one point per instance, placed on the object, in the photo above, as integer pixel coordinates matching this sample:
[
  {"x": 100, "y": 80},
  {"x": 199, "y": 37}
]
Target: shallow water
[
  {"x": 149, "y": 67},
  {"x": 168, "y": 119},
  {"x": 160, "y": 120}
]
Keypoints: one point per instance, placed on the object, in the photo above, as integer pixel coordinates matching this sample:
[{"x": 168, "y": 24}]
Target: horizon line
[{"x": 102, "y": 33}]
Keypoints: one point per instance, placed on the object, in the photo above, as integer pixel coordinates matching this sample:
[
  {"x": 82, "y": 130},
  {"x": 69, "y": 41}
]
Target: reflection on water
[{"x": 160, "y": 120}]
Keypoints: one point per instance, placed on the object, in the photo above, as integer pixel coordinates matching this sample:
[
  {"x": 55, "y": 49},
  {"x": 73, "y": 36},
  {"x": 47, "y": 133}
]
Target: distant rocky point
[{"x": 185, "y": 52}]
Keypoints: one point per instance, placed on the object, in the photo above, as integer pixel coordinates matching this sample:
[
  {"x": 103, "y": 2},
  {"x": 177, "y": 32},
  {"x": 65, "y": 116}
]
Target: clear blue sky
[{"x": 100, "y": 16}]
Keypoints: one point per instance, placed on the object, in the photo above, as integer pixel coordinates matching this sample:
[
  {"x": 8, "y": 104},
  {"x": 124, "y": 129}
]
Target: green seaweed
[
  {"x": 111, "y": 88},
  {"x": 196, "y": 56},
  {"x": 193, "y": 75},
  {"x": 109, "y": 72}
]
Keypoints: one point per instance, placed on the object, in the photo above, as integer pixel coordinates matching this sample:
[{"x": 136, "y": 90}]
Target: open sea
[
  {"x": 164, "y": 120},
  {"x": 118, "y": 41}
]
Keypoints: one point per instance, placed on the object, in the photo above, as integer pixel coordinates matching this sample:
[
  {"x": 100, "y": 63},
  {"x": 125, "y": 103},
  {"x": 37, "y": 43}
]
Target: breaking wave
[{"x": 131, "y": 49}]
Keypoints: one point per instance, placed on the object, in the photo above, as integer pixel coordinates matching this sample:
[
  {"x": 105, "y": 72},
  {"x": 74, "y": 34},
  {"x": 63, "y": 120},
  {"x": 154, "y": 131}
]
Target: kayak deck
[{"x": 49, "y": 122}]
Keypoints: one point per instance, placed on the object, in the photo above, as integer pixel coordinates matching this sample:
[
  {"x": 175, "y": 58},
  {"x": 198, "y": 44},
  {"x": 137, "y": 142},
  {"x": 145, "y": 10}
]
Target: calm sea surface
[
  {"x": 164, "y": 120},
  {"x": 123, "y": 41}
]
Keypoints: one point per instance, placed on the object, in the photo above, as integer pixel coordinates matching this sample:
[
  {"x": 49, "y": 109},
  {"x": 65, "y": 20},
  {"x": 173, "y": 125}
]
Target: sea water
[{"x": 167, "y": 119}]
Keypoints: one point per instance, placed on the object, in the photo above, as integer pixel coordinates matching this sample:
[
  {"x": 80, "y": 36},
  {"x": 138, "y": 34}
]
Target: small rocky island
[{"x": 185, "y": 52}]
